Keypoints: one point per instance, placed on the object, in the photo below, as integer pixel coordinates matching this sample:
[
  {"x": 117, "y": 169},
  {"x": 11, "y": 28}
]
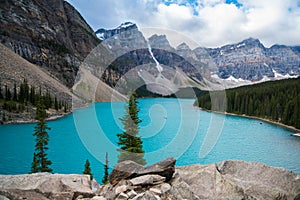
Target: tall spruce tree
[
  {"x": 87, "y": 169},
  {"x": 40, "y": 161},
  {"x": 105, "y": 177},
  {"x": 1, "y": 95},
  {"x": 131, "y": 145}
]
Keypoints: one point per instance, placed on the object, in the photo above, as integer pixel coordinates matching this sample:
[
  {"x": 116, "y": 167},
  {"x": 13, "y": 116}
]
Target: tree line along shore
[{"x": 277, "y": 102}]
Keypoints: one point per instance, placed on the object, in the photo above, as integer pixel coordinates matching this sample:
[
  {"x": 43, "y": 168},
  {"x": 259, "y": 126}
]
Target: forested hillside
[
  {"x": 275, "y": 100},
  {"x": 22, "y": 100}
]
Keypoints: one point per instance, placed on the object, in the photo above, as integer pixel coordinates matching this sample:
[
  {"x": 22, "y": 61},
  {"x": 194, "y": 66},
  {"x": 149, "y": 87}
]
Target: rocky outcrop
[
  {"x": 160, "y": 42},
  {"x": 239, "y": 180},
  {"x": 232, "y": 180},
  {"x": 49, "y": 34},
  {"x": 43, "y": 186},
  {"x": 225, "y": 180},
  {"x": 129, "y": 169}
]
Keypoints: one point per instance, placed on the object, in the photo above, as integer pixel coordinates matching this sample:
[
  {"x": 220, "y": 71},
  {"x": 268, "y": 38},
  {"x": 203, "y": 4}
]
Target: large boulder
[
  {"x": 46, "y": 186},
  {"x": 124, "y": 170},
  {"x": 165, "y": 168},
  {"x": 128, "y": 169},
  {"x": 237, "y": 180}
]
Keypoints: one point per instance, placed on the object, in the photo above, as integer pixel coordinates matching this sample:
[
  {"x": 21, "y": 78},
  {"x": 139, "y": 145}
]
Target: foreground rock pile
[
  {"x": 130, "y": 180},
  {"x": 230, "y": 180}
]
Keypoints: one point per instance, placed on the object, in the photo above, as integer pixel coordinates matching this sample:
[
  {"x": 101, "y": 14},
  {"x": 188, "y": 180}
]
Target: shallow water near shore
[{"x": 170, "y": 127}]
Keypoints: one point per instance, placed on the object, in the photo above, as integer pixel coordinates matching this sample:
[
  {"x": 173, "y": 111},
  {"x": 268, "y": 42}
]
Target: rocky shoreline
[
  {"x": 31, "y": 121},
  {"x": 231, "y": 180}
]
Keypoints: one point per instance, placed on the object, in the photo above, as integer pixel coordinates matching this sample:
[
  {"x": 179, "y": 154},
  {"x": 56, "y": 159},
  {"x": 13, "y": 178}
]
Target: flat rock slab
[
  {"x": 238, "y": 180},
  {"x": 46, "y": 185},
  {"x": 151, "y": 179}
]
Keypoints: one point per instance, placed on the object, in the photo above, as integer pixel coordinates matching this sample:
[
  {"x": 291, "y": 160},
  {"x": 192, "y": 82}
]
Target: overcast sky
[{"x": 211, "y": 23}]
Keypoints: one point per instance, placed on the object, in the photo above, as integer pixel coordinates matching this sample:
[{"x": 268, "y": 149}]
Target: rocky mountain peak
[
  {"x": 160, "y": 42},
  {"x": 252, "y": 42},
  {"x": 127, "y": 25},
  {"x": 183, "y": 46},
  {"x": 104, "y": 34}
]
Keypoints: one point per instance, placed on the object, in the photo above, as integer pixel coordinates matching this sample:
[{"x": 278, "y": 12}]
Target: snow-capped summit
[
  {"x": 104, "y": 34},
  {"x": 126, "y": 25}
]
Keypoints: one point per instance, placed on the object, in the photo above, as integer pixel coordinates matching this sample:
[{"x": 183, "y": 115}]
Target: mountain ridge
[{"x": 245, "y": 62}]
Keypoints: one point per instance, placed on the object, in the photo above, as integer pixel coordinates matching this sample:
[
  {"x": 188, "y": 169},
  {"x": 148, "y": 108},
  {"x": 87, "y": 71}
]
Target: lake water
[{"x": 170, "y": 127}]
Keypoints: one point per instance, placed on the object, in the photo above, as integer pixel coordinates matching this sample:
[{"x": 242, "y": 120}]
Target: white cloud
[{"x": 209, "y": 22}]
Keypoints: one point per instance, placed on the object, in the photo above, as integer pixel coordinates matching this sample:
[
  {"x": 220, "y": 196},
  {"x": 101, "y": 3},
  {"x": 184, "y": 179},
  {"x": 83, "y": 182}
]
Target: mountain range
[
  {"x": 55, "y": 38},
  {"x": 243, "y": 63}
]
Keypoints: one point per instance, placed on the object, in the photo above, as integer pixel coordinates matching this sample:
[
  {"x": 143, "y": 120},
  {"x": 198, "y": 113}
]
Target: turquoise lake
[{"x": 169, "y": 128}]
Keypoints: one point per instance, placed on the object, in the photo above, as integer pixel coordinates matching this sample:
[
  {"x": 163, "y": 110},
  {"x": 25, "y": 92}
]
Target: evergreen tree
[
  {"x": 32, "y": 95},
  {"x": 55, "y": 103},
  {"x": 1, "y": 95},
  {"x": 87, "y": 169},
  {"x": 275, "y": 100},
  {"x": 15, "y": 95},
  {"x": 7, "y": 93},
  {"x": 105, "y": 177},
  {"x": 40, "y": 161},
  {"x": 131, "y": 146},
  {"x": 66, "y": 107}
]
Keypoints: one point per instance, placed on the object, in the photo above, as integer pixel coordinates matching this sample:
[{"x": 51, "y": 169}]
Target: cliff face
[{"x": 51, "y": 34}]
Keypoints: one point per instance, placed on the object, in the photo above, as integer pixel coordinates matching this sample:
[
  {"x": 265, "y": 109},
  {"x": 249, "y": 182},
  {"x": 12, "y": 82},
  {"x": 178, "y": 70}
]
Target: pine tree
[
  {"x": 7, "y": 93},
  {"x": 32, "y": 95},
  {"x": 66, "y": 107},
  {"x": 55, "y": 103},
  {"x": 15, "y": 95},
  {"x": 87, "y": 169},
  {"x": 40, "y": 161},
  {"x": 131, "y": 145},
  {"x": 105, "y": 177},
  {"x": 1, "y": 95}
]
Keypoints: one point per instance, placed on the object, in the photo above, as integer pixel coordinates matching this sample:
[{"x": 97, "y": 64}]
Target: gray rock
[
  {"x": 165, "y": 187},
  {"x": 124, "y": 170},
  {"x": 131, "y": 194},
  {"x": 238, "y": 180},
  {"x": 147, "y": 180},
  {"x": 261, "y": 181},
  {"x": 122, "y": 196},
  {"x": 165, "y": 168},
  {"x": 107, "y": 191},
  {"x": 146, "y": 196},
  {"x": 139, "y": 196},
  {"x": 3, "y": 198},
  {"x": 181, "y": 190},
  {"x": 129, "y": 169},
  {"x": 98, "y": 198},
  {"x": 155, "y": 191},
  {"x": 230, "y": 180},
  {"x": 45, "y": 185},
  {"x": 120, "y": 189}
]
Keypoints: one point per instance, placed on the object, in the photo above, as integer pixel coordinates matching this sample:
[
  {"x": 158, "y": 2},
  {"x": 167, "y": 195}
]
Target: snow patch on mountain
[{"x": 126, "y": 25}]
